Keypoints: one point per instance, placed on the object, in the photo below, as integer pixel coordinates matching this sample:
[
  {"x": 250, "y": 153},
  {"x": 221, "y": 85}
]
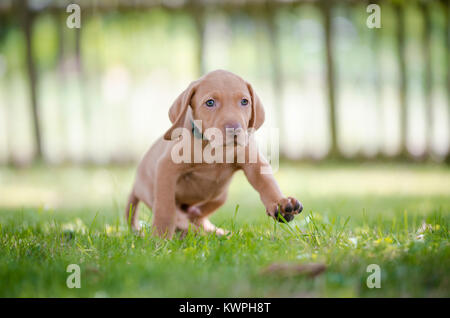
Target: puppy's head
[{"x": 220, "y": 100}]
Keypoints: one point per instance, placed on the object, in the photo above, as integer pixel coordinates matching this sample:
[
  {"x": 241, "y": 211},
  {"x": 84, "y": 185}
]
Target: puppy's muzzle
[{"x": 234, "y": 133}]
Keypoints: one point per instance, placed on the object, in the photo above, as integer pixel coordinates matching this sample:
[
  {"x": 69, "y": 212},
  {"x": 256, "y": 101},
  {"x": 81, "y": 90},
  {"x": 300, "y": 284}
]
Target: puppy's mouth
[
  {"x": 236, "y": 140},
  {"x": 231, "y": 142},
  {"x": 240, "y": 139}
]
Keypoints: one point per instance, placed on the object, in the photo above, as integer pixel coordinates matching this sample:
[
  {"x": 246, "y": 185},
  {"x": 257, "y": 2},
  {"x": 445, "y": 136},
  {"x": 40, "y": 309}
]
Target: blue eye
[
  {"x": 244, "y": 102},
  {"x": 210, "y": 103}
]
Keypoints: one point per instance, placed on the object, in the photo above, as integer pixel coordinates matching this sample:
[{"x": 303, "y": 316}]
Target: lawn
[{"x": 392, "y": 215}]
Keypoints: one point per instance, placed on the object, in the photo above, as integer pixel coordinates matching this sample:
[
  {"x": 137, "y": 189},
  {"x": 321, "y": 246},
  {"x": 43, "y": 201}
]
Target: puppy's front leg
[
  {"x": 164, "y": 209},
  {"x": 269, "y": 191}
]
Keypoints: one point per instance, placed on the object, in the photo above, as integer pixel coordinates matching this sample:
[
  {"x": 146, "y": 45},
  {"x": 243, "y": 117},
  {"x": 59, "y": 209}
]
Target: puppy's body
[{"x": 186, "y": 193}]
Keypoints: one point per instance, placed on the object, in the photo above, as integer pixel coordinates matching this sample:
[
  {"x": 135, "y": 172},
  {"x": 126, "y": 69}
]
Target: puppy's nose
[{"x": 233, "y": 128}]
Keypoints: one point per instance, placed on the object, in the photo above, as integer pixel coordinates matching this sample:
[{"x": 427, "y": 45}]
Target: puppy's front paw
[{"x": 287, "y": 208}]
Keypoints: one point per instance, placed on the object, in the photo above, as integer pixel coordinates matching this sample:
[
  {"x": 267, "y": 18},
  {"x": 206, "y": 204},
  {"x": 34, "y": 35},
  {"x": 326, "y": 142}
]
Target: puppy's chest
[{"x": 204, "y": 183}]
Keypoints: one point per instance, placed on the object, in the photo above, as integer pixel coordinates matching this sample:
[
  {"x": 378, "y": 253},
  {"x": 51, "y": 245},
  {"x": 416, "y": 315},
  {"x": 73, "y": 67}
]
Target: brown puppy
[{"x": 183, "y": 193}]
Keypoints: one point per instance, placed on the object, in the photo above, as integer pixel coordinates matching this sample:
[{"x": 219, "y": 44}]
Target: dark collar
[{"x": 196, "y": 132}]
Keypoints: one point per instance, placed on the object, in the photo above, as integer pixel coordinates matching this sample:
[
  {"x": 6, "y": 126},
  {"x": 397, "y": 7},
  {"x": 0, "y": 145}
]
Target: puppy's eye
[
  {"x": 210, "y": 103},
  {"x": 244, "y": 102}
]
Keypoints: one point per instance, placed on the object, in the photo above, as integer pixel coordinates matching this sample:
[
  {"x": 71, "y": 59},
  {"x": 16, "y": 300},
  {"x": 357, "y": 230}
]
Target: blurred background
[
  {"x": 335, "y": 87},
  {"x": 364, "y": 121}
]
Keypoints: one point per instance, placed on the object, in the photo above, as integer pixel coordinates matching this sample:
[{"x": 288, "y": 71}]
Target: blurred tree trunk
[
  {"x": 325, "y": 6},
  {"x": 5, "y": 27},
  {"x": 375, "y": 37},
  {"x": 60, "y": 23},
  {"x": 27, "y": 19},
  {"x": 446, "y": 8},
  {"x": 276, "y": 70},
  {"x": 82, "y": 80},
  {"x": 401, "y": 58},
  {"x": 78, "y": 49},
  {"x": 427, "y": 76},
  {"x": 447, "y": 44},
  {"x": 257, "y": 15},
  {"x": 197, "y": 11}
]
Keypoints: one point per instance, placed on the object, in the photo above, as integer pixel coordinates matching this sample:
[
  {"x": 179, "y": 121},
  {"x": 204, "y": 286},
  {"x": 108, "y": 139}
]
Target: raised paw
[{"x": 286, "y": 208}]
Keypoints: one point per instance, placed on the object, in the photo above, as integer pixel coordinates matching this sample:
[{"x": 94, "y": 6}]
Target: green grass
[{"x": 354, "y": 215}]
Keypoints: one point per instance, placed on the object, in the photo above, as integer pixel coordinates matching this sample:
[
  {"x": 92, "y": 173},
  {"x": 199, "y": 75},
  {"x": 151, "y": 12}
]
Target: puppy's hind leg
[
  {"x": 198, "y": 215},
  {"x": 188, "y": 218},
  {"x": 131, "y": 211}
]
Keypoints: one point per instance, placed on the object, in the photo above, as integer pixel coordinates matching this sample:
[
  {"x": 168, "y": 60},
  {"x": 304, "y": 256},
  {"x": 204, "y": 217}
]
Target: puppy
[{"x": 212, "y": 125}]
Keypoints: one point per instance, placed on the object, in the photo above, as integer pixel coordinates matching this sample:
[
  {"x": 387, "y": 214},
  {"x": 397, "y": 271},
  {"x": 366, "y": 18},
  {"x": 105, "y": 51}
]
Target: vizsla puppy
[{"x": 187, "y": 191}]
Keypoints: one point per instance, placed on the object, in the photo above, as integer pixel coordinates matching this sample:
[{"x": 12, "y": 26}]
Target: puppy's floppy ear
[
  {"x": 258, "y": 115},
  {"x": 177, "y": 111}
]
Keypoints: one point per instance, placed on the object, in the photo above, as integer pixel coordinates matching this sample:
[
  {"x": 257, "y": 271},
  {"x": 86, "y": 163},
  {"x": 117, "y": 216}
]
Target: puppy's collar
[{"x": 196, "y": 132}]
